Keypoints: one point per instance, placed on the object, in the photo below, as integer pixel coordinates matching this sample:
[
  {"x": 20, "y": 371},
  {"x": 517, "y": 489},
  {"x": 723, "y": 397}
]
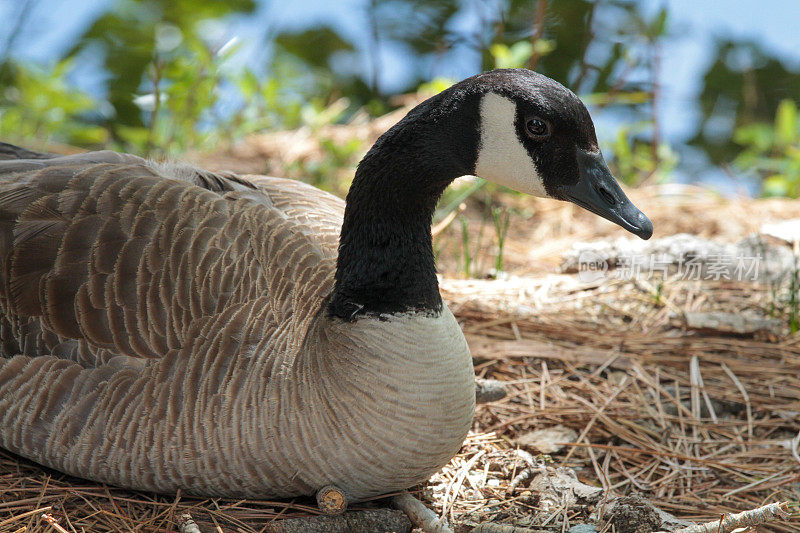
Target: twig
[
  {"x": 520, "y": 478},
  {"x": 54, "y": 524},
  {"x": 597, "y": 413},
  {"x": 753, "y": 517},
  {"x": 444, "y": 223},
  {"x": 186, "y": 524},
  {"x": 23, "y": 515},
  {"x": 696, "y": 381},
  {"x": 331, "y": 500},
  {"x": 456, "y": 487},
  {"x": 22, "y": 18},
  {"x": 538, "y": 31},
  {"x": 527, "y": 472},
  {"x": 489, "y": 390},
  {"x": 420, "y": 516}
]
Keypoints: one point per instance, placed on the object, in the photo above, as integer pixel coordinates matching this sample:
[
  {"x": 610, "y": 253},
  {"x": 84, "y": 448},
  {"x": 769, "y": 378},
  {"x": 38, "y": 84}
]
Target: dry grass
[
  {"x": 614, "y": 362},
  {"x": 700, "y": 424},
  {"x": 612, "y": 365}
]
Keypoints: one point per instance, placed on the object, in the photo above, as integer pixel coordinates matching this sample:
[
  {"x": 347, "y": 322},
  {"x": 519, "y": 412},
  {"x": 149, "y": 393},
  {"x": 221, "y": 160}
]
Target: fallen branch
[
  {"x": 24, "y": 515},
  {"x": 186, "y": 524},
  {"x": 50, "y": 519},
  {"x": 420, "y": 516},
  {"x": 331, "y": 500},
  {"x": 489, "y": 390},
  {"x": 718, "y": 322},
  {"x": 753, "y": 517},
  {"x": 532, "y": 466}
]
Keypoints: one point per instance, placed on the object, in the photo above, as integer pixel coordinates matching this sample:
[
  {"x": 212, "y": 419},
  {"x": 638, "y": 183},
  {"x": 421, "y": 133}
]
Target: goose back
[{"x": 136, "y": 291}]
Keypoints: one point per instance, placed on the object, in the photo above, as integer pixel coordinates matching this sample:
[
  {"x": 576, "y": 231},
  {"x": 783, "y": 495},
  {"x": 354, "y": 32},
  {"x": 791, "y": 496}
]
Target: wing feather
[{"x": 124, "y": 256}]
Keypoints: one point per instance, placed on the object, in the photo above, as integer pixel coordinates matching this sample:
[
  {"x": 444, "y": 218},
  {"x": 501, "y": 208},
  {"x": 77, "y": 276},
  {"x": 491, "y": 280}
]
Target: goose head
[
  {"x": 513, "y": 127},
  {"x": 535, "y": 136}
]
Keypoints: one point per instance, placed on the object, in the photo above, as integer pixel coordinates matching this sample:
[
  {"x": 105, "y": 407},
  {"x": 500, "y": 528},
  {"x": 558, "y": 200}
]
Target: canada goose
[{"x": 170, "y": 328}]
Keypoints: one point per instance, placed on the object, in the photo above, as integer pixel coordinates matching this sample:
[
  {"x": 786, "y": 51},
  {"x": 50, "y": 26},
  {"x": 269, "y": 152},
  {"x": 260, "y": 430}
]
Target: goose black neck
[{"x": 386, "y": 262}]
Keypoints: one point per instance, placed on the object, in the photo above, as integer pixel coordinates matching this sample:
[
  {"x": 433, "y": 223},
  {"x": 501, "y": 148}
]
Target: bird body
[
  {"x": 166, "y": 328},
  {"x": 185, "y": 332}
]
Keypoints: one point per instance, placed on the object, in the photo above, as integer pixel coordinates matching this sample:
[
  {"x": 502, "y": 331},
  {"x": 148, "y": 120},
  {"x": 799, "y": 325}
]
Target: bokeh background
[
  {"x": 679, "y": 387},
  {"x": 681, "y": 90}
]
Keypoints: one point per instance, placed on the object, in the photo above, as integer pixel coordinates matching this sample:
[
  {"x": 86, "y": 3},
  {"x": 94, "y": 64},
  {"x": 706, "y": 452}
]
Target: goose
[{"x": 167, "y": 328}]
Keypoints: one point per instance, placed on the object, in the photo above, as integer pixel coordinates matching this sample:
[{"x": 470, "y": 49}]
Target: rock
[
  {"x": 752, "y": 259},
  {"x": 786, "y": 230},
  {"x": 547, "y": 440},
  {"x": 557, "y": 487},
  {"x": 633, "y": 514},
  {"x": 733, "y": 323},
  {"x": 582, "y": 528}
]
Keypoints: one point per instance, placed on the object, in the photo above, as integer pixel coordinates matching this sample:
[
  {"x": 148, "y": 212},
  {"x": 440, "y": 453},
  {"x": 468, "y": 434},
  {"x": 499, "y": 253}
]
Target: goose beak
[{"x": 598, "y": 191}]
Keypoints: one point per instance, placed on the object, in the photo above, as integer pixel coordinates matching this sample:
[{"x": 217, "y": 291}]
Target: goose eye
[{"x": 536, "y": 128}]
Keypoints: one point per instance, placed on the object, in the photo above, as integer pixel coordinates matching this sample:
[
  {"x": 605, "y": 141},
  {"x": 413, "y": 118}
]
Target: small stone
[
  {"x": 548, "y": 440},
  {"x": 582, "y": 528}
]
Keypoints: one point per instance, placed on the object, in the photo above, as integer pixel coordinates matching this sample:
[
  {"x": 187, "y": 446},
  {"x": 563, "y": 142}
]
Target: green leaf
[
  {"x": 521, "y": 52},
  {"x": 514, "y": 56},
  {"x": 786, "y": 123},
  {"x": 543, "y": 47},
  {"x": 658, "y": 25},
  {"x": 435, "y": 86},
  {"x": 315, "y": 46},
  {"x": 776, "y": 185},
  {"x": 757, "y": 136}
]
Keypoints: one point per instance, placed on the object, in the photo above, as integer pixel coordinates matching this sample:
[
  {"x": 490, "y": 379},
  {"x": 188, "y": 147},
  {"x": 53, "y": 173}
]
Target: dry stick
[
  {"x": 446, "y": 221},
  {"x": 697, "y": 381},
  {"x": 52, "y": 522},
  {"x": 420, "y": 516},
  {"x": 505, "y": 528},
  {"x": 527, "y": 472},
  {"x": 186, "y": 524},
  {"x": 331, "y": 500},
  {"x": 456, "y": 486},
  {"x": 23, "y": 515},
  {"x": 754, "y": 483},
  {"x": 753, "y": 517},
  {"x": 489, "y": 390}
]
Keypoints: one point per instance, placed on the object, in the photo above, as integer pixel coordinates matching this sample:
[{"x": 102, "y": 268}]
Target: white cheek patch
[{"x": 502, "y": 158}]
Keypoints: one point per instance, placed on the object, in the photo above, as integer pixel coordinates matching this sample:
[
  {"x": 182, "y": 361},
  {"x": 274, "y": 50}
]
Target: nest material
[{"x": 699, "y": 422}]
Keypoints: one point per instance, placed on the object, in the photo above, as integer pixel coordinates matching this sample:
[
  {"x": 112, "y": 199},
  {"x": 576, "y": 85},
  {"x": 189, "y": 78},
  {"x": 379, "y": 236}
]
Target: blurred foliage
[
  {"x": 772, "y": 151},
  {"x": 42, "y": 105},
  {"x": 334, "y": 171},
  {"x": 634, "y": 159},
  {"x": 743, "y": 86},
  {"x": 172, "y": 82},
  {"x": 131, "y": 36}
]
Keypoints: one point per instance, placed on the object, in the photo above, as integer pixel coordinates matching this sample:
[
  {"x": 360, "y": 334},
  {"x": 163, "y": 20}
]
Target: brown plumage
[{"x": 163, "y": 328}]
